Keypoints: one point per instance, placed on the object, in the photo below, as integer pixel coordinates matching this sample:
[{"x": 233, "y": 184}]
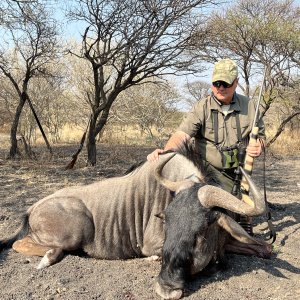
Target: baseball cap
[{"x": 225, "y": 70}]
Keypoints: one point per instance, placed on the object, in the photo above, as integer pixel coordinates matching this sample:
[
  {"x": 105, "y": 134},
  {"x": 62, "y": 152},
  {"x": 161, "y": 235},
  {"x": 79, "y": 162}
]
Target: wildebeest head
[{"x": 194, "y": 229}]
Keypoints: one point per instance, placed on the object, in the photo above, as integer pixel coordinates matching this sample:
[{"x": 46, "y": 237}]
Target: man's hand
[
  {"x": 153, "y": 156},
  {"x": 255, "y": 149}
]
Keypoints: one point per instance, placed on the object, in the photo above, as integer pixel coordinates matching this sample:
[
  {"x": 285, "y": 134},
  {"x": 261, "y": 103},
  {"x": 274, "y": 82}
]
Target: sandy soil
[{"x": 80, "y": 277}]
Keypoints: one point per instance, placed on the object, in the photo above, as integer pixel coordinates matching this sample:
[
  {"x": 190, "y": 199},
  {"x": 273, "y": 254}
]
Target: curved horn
[
  {"x": 259, "y": 201},
  {"x": 173, "y": 186},
  {"x": 210, "y": 196}
]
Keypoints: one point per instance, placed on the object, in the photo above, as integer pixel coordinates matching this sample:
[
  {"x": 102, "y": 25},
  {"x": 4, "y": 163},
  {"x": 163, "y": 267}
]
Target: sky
[{"x": 72, "y": 31}]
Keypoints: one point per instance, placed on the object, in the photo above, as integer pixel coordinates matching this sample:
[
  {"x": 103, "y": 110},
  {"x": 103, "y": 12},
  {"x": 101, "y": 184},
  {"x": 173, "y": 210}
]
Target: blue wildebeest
[
  {"x": 116, "y": 219},
  {"x": 198, "y": 230}
]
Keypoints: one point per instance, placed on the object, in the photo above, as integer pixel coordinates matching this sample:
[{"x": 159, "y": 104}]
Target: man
[{"x": 219, "y": 124}]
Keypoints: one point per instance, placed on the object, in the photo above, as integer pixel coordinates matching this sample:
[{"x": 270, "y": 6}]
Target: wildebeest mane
[
  {"x": 134, "y": 167},
  {"x": 187, "y": 150}
]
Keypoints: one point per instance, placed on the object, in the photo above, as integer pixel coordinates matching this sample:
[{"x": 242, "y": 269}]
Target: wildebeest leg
[
  {"x": 51, "y": 257},
  {"x": 153, "y": 243},
  {"x": 27, "y": 246},
  {"x": 261, "y": 250}
]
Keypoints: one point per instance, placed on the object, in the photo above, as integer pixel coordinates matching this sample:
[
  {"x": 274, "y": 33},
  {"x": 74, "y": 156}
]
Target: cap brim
[{"x": 223, "y": 78}]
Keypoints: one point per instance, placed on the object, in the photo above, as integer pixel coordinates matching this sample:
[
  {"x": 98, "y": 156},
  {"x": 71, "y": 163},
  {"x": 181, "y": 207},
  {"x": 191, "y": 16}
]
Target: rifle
[
  {"x": 249, "y": 160},
  {"x": 248, "y": 165}
]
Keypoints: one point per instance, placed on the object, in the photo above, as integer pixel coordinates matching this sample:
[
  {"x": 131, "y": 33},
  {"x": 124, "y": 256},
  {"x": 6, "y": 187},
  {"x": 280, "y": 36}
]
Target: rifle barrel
[{"x": 255, "y": 121}]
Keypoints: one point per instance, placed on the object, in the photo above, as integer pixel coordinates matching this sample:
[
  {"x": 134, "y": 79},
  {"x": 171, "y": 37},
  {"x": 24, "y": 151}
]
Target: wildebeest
[
  {"x": 198, "y": 230},
  {"x": 116, "y": 219}
]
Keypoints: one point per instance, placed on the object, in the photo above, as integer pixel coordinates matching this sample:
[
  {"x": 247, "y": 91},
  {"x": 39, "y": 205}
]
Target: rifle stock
[{"x": 249, "y": 160}]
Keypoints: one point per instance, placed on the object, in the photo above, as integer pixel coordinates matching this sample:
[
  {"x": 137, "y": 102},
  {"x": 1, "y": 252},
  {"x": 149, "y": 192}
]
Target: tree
[
  {"x": 259, "y": 35},
  {"x": 127, "y": 42},
  {"x": 196, "y": 91},
  {"x": 289, "y": 108},
  {"x": 53, "y": 102},
  {"x": 28, "y": 46},
  {"x": 6, "y": 94},
  {"x": 150, "y": 106}
]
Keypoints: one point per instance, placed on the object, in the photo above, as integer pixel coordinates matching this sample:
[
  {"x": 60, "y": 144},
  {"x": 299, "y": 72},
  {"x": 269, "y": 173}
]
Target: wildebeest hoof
[
  {"x": 51, "y": 257},
  {"x": 45, "y": 261},
  {"x": 266, "y": 251}
]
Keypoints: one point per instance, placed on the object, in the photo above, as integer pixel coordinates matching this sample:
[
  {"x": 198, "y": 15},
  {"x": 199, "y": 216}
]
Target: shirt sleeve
[{"x": 193, "y": 120}]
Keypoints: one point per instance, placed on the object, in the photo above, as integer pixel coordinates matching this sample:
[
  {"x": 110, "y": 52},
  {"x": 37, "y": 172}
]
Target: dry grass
[
  {"x": 115, "y": 135},
  {"x": 288, "y": 143},
  {"x": 71, "y": 134}
]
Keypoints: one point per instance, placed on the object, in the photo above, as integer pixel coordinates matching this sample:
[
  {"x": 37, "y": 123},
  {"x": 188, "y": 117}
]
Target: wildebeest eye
[
  {"x": 212, "y": 216},
  {"x": 173, "y": 194}
]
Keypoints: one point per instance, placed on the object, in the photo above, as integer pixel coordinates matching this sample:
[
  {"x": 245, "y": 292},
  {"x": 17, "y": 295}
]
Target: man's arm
[{"x": 176, "y": 140}]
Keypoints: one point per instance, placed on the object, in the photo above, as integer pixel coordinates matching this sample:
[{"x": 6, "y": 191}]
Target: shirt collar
[{"x": 234, "y": 105}]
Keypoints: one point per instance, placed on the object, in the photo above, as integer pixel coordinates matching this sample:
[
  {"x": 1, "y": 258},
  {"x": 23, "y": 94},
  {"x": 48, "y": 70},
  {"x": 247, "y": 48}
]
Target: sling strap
[
  {"x": 215, "y": 125},
  {"x": 238, "y": 127},
  {"x": 272, "y": 231}
]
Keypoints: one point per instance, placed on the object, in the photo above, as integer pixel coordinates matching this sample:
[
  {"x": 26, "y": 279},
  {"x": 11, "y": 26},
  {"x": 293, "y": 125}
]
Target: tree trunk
[
  {"x": 94, "y": 129},
  {"x": 92, "y": 151},
  {"x": 14, "y": 151},
  {"x": 91, "y": 142},
  {"x": 39, "y": 124}
]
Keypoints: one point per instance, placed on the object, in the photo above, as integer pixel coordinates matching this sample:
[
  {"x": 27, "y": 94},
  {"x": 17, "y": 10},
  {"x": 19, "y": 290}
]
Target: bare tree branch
[
  {"x": 127, "y": 42},
  {"x": 31, "y": 37}
]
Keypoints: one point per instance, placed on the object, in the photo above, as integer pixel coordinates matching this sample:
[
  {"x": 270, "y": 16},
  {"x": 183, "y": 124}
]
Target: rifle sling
[
  {"x": 216, "y": 125},
  {"x": 268, "y": 213}
]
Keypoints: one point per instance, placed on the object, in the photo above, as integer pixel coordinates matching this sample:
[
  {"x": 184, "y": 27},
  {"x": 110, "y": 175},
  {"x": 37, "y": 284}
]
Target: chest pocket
[{"x": 245, "y": 126}]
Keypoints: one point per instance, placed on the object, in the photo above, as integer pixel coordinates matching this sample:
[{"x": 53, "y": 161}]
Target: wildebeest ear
[
  {"x": 236, "y": 230},
  {"x": 161, "y": 215}
]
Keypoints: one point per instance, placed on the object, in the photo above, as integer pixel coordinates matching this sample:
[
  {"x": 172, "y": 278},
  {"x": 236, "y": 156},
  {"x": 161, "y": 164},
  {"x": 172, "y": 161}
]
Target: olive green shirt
[{"x": 198, "y": 123}]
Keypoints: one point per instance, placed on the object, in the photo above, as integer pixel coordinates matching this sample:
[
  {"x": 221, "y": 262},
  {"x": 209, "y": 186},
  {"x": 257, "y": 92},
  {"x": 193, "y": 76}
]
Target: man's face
[{"x": 223, "y": 94}]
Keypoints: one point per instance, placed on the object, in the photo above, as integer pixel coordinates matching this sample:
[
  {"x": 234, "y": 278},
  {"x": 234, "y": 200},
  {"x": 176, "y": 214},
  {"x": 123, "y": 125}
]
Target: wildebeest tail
[{"x": 19, "y": 234}]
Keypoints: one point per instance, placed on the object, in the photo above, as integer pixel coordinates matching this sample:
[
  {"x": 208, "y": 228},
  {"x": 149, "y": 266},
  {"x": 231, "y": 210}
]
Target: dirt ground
[{"x": 80, "y": 277}]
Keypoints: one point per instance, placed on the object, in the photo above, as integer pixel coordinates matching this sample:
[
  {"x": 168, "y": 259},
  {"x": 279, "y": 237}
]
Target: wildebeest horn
[
  {"x": 211, "y": 196},
  {"x": 174, "y": 186}
]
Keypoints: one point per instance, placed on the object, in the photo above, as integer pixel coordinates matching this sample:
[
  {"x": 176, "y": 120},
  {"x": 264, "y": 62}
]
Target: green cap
[{"x": 225, "y": 70}]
